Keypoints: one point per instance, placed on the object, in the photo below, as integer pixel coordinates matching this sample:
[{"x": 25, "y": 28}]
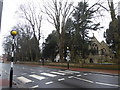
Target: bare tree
[
  {"x": 59, "y": 12},
  {"x": 112, "y": 10},
  {"x": 33, "y": 16}
]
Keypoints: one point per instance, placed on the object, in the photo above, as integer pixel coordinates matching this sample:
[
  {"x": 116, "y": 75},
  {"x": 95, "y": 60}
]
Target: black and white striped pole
[{"x": 13, "y": 33}]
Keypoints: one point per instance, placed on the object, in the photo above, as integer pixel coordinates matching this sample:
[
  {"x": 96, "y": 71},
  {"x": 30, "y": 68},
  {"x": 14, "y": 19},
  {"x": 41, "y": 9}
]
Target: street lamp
[{"x": 13, "y": 33}]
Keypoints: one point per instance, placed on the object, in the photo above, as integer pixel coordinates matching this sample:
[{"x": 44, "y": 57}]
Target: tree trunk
[{"x": 61, "y": 49}]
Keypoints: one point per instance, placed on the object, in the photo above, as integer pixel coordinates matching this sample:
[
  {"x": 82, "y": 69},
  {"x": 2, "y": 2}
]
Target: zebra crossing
[
  {"x": 53, "y": 78},
  {"x": 37, "y": 77},
  {"x": 44, "y": 75},
  {"x": 24, "y": 80},
  {"x": 48, "y": 74}
]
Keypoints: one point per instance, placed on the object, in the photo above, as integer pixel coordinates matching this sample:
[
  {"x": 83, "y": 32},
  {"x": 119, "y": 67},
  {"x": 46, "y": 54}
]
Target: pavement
[{"x": 4, "y": 82}]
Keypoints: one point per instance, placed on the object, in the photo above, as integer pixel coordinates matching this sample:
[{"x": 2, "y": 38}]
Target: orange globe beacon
[{"x": 13, "y": 32}]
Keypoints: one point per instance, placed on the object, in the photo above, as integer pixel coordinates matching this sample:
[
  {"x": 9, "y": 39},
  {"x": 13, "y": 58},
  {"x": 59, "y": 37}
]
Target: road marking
[
  {"x": 32, "y": 72},
  {"x": 66, "y": 72},
  {"x": 48, "y": 82},
  {"x": 57, "y": 73},
  {"x": 70, "y": 77},
  {"x": 24, "y": 80},
  {"x": 61, "y": 79},
  {"x": 48, "y": 74},
  {"x": 78, "y": 75},
  {"x": 108, "y": 84},
  {"x": 84, "y": 80},
  {"x": 34, "y": 86},
  {"x": 85, "y": 74},
  {"x": 37, "y": 77},
  {"x": 72, "y": 71},
  {"x": 24, "y": 74}
]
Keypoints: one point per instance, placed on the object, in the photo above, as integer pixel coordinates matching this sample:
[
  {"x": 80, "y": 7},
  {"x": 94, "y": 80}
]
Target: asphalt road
[{"x": 41, "y": 77}]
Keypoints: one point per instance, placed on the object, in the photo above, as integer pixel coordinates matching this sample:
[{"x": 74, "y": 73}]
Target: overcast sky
[{"x": 9, "y": 19}]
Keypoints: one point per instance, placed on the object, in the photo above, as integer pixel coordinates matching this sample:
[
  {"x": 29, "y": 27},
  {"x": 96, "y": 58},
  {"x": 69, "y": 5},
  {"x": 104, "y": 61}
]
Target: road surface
[{"x": 27, "y": 76}]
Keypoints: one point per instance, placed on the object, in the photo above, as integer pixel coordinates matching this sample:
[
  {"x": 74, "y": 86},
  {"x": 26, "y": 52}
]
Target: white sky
[{"x": 9, "y": 19}]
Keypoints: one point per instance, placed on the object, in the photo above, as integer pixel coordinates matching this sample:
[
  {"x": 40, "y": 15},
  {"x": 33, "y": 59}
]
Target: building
[{"x": 99, "y": 52}]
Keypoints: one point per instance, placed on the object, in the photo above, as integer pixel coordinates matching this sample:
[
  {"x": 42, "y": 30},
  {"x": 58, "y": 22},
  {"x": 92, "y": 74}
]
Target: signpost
[{"x": 13, "y": 33}]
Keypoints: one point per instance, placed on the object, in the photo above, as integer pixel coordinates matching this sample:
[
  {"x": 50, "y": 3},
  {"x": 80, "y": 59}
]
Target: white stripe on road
[
  {"x": 107, "y": 84},
  {"x": 84, "y": 80},
  {"x": 85, "y": 74},
  {"x": 34, "y": 86},
  {"x": 48, "y": 82},
  {"x": 66, "y": 72},
  {"x": 24, "y": 74},
  {"x": 61, "y": 79},
  {"x": 24, "y": 80},
  {"x": 57, "y": 73},
  {"x": 90, "y": 73},
  {"x": 32, "y": 72},
  {"x": 37, "y": 77},
  {"x": 78, "y": 75},
  {"x": 70, "y": 77},
  {"x": 48, "y": 74},
  {"x": 72, "y": 71}
]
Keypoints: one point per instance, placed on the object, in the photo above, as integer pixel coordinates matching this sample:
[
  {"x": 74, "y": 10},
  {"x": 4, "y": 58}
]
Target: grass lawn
[{"x": 92, "y": 66}]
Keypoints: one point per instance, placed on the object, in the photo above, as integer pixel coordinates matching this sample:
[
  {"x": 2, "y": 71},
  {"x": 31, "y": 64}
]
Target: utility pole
[{"x": 13, "y": 33}]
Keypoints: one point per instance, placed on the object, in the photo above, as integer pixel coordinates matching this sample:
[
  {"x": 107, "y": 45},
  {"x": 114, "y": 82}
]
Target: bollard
[{"x": 13, "y": 33}]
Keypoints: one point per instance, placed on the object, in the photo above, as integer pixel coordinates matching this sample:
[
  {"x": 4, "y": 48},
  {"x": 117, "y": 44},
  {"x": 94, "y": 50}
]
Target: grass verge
[{"x": 89, "y": 66}]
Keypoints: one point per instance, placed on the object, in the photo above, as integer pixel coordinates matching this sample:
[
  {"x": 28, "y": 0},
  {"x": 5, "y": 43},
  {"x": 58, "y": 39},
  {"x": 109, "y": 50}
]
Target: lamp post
[{"x": 13, "y": 33}]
